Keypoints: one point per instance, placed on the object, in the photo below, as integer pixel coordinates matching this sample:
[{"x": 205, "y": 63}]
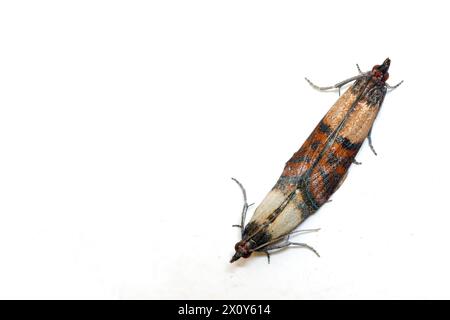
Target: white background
[{"x": 122, "y": 122}]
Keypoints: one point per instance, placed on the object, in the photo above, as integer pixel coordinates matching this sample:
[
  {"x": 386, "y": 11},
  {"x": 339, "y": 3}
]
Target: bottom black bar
[{"x": 222, "y": 309}]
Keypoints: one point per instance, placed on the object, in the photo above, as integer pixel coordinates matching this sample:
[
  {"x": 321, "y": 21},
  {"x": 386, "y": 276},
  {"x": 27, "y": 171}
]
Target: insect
[{"x": 318, "y": 168}]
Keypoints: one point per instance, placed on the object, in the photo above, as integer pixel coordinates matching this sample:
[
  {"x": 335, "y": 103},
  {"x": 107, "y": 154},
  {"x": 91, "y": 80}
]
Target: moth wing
[{"x": 330, "y": 172}]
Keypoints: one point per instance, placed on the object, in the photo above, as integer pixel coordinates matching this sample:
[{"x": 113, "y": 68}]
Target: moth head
[
  {"x": 380, "y": 72},
  {"x": 242, "y": 249}
]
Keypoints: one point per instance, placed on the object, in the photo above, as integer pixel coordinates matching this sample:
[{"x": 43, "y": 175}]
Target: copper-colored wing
[
  {"x": 326, "y": 175},
  {"x": 305, "y": 157}
]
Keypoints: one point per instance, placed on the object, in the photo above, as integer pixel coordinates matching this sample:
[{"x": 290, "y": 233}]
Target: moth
[{"x": 318, "y": 168}]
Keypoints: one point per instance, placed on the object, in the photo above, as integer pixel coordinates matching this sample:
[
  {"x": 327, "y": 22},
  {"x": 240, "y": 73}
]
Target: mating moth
[{"x": 318, "y": 168}]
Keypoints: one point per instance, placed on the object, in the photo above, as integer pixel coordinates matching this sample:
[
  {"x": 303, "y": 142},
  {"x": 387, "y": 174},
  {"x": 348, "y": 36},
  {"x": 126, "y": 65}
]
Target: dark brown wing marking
[
  {"x": 328, "y": 173},
  {"x": 302, "y": 160}
]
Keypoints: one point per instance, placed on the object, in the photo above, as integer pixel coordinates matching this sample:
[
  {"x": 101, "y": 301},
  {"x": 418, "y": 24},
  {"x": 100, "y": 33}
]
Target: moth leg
[
  {"x": 369, "y": 137},
  {"x": 302, "y": 231},
  {"x": 280, "y": 240},
  {"x": 287, "y": 236},
  {"x": 393, "y": 87},
  {"x": 337, "y": 85},
  {"x": 268, "y": 256},
  {"x": 304, "y": 245},
  {"x": 288, "y": 243},
  {"x": 356, "y": 162},
  {"x": 244, "y": 207}
]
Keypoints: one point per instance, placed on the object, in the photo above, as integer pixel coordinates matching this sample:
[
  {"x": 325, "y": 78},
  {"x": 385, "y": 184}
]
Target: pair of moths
[{"x": 318, "y": 168}]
